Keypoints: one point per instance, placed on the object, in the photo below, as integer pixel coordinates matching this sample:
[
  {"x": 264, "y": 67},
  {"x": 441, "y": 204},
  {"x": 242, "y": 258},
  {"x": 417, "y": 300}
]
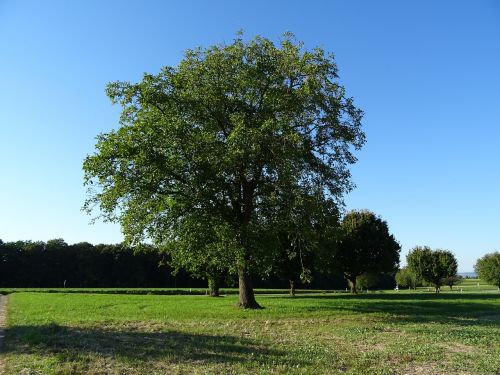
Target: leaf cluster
[{"x": 488, "y": 268}]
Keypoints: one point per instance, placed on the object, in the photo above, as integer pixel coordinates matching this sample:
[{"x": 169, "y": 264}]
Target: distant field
[
  {"x": 468, "y": 285},
  {"x": 405, "y": 332}
]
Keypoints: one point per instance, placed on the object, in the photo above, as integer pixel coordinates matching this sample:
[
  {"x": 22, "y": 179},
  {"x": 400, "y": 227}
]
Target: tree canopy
[
  {"x": 235, "y": 136},
  {"x": 406, "y": 277},
  {"x": 56, "y": 264},
  {"x": 488, "y": 268},
  {"x": 365, "y": 246},
  {"x": 434, "y": 267}
]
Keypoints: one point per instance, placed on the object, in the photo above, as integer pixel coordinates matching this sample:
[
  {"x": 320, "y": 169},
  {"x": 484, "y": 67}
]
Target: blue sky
[{"x": 426, "y": 73}]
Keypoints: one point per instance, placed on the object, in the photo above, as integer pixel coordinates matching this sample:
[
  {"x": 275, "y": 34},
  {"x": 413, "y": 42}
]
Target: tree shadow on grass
[
  {"x": 460, "y": 308},
  {"x": 172, "y": 346},
  {"x": 420, "y": 296}
]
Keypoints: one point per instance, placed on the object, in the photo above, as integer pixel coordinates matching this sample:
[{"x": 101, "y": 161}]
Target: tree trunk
[
  {"x": 246, "y": 296},
  {"x": 292, "y": 288},
  {"x": 353, "y": 286},
  {"x": 213, "y": 286}
]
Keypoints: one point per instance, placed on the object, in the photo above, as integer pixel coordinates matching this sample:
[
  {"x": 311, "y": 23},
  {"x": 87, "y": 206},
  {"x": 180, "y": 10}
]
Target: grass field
[
  {"x": 468, "y": 285},
  {"x": 375, "y": 333}
]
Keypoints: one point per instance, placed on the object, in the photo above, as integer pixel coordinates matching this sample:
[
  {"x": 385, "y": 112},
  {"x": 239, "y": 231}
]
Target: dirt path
[{"x": 3, "y": 312}]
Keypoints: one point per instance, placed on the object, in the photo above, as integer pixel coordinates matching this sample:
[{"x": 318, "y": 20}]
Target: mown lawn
[{"x": 377, "y": 333}]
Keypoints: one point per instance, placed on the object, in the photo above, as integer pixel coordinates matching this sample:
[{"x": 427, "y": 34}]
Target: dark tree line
[
  {"x": 54, "y": 264},
  {"x": 57, "y": 264}
]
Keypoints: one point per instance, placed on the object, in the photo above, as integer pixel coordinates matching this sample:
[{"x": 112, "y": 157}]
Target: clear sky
[{"x": 426, "y": 73}]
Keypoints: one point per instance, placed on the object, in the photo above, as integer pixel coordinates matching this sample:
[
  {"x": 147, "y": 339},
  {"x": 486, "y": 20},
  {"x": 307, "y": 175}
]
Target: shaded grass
[
  {"x": 157, "y": 291},
  {"x": 383, "y": 333},
  {"x": 467, "y": 286}
]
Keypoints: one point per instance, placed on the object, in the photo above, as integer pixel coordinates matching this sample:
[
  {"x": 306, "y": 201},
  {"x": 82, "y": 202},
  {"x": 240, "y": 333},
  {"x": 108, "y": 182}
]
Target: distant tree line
[
  {"x": 54, "y": 264},
  {"x": 359, "y": 254}
]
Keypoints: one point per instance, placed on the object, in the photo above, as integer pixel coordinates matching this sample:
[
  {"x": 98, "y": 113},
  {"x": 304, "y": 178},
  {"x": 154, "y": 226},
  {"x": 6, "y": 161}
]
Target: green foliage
[
  {"x": 406, "y": 277},
  {"x": 57, "y": 264},
  {"x": 367, "y": 280},
  {"x": 365, "y": 246},
  {"x": 434, "y": 267},
  {"x": 27, "y": 264},
  {"x": 488, "y": 268},
  {"x": 235, "y": 137},
  {"x": 202, "y": 248},
  {"x": 453, "y": 280},
  {"x": 305, "y": 235}
]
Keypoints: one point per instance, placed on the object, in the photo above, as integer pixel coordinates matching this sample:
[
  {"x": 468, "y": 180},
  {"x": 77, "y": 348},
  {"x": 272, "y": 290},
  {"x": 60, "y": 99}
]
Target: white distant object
[{"x": 396, "y": 288}]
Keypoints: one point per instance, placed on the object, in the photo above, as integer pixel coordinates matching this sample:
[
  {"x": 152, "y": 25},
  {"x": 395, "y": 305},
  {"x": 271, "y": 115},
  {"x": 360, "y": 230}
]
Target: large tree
[
  {"x": 434, "y": 267},
  {"x": 365, "y": 246},
  {"x": 488, "y": 268},
  {"x": 225, "y": 136}
]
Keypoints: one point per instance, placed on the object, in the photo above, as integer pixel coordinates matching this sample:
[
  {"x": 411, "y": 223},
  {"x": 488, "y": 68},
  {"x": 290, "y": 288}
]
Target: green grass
[
  {"x": 155, "y": 291},
  {"x": 374, "y": 333},
  {"x": 468, "y": 285}
]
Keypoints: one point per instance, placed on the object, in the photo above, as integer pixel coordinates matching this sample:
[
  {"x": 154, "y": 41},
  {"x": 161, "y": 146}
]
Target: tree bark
[
  {"x": 246, "y": 296},
  {"x": 213, "y": 286},
  {"x": 353, "y": 286},
  {"x": 292, "y": 288}
]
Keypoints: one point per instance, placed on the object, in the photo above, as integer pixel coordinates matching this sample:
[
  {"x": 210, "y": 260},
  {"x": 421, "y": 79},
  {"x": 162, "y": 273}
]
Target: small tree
[
  {"x": 365, "y": 246},
  {"x": 431, "y": 266},
  {"x": 293, "y": 263},
  {"x": 306, "y": 227},
  {"x": 488, "y": 268},
  {"x": 406, "y": 277},
  {"x": 453, "y": 280},
  {"x": 196, "y": 249}
]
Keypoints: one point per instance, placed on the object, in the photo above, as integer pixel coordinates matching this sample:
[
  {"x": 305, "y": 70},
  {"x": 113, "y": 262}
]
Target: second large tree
[{"x": 230, "y": 137}]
